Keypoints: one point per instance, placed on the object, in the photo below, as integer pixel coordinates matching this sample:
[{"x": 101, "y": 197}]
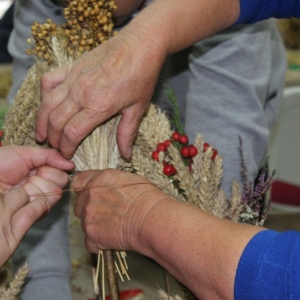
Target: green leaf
[{"x": 169, "y": 93}]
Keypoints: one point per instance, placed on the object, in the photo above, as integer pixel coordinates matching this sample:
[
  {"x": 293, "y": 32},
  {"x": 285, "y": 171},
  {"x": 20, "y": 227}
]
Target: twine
[{"x": 80, "y": 189}]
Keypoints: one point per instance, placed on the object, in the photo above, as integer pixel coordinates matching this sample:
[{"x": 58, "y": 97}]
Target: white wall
[{"x": 4, "y": 5}]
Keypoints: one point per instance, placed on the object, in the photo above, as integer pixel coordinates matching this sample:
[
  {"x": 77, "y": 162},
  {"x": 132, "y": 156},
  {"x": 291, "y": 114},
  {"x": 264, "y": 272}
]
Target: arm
[
  {"x": 120, "y": 75},
  {"x": 200, "y": 250},
  {"x": 26, "y": 171}
]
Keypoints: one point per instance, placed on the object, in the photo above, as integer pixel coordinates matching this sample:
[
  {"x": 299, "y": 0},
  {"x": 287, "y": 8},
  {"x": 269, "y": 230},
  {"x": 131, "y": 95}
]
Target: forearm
[
  {"x": 175, "y": 25},
  {"x": 198, "y": 249}
]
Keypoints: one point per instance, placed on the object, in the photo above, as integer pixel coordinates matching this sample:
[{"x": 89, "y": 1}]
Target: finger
[
  {"x": 81, "y": 125},
  {"x": 35, "y": 157},
  {"x": 54, "y": 175},
  {"x": 90, "y": 246},
  {"x": 25, "y": 217},
  {"x": 79, "y": 205},
  {"x": 51, "y": 190},
  {"x": 49, "y": 102},
  {"x": 13, "y": 200},
  {"x": 58, "y": 119},
  {"x": 127, "y": 130},
  {"x": 52, "y": 79}
]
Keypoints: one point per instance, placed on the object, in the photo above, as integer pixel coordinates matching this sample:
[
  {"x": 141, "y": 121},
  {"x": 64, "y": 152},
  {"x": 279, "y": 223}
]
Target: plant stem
[{"x": 112, "y": 282}]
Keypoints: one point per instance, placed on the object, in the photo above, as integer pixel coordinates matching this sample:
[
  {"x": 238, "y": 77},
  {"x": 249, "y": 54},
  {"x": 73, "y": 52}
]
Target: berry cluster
[
  {"x": 89, "y": 24},
  {"x": 168, "y": 169},
  {"x": 187, "y": 152},
  {"x": 181, "y": 142}
]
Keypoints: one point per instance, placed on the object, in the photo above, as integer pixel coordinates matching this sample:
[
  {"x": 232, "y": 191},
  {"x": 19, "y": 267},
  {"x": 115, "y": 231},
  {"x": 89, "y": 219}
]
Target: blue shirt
[
  {"x": 257, "y": 10},
  {"x": 269, "y": 267}
]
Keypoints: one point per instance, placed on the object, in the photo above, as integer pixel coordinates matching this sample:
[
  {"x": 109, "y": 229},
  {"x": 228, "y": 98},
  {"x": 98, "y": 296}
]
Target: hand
[
  {"x": 113, "y": 213},
  {"x": 117, "y": 76},
  {"x": 21, "y": 206},
  {"x": 17, "y": 163}
]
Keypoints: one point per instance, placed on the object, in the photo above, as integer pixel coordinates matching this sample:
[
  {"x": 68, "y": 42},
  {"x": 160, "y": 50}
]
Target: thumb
[{"x": 83, "y": 179}]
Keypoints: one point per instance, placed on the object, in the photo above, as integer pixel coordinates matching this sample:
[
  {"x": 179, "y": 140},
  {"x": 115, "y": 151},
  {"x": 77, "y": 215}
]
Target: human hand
[
  {"x": 23, "y": 205},
  {"x": 113, "y": 213},
  {"x": 117, "y": 76},
  {"x": 19, "y": 162}
]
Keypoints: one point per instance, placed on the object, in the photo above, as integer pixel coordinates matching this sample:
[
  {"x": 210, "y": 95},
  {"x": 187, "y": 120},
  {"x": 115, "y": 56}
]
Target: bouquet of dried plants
[{"x": 188, "y": 173}]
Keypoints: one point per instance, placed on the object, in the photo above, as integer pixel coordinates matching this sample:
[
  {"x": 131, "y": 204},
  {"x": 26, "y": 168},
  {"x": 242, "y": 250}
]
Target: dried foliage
[
  {"x": 10, "y": 291},
  {"x": 88, "y": 24}
]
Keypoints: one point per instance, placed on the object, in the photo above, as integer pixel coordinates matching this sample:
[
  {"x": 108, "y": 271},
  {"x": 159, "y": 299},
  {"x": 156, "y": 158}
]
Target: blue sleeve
[
  {"x": 269, "y": 267},
  {"x": 257, "y": 10}
]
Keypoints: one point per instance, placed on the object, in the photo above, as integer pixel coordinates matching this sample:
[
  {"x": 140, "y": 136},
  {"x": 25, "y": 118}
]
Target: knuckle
[
  {"x": 91, "y": 232},
  {"x": 54, "y": 119},
  {"x": 71, "y": 132},
  {"x": 45, "y": 79},
  {"x": 42, "y": 171},
  {"x": 7, "y": 232},
  {"x": 64, "y": 177},
  {"x": 32, "y": 179},
  {"x": 47, "y": 100}
]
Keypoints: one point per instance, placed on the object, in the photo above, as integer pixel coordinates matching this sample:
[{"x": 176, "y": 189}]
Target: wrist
[
  {"x": 143, "y": 218},
  {"x": 150, "y": 34}
]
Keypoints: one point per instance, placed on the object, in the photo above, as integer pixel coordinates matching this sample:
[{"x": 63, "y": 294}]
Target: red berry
[
  {"x": 176, "y": 136},
  {"x": 169, "y": 170},
  {"x": 155, "y": 155},
  {"x": 167, "y": 143},
  {"x": 161, "y": 147},
  {"x": 215, "y": 153},
  {"x": 1, "y": 133},
  {"x": 185, "y": 151},
  {"x": 184, "y": 139},
  {"x": 193, "y": 151},
  {"x": 205, "y": 146},
  {"x": 0, "y": 143}
]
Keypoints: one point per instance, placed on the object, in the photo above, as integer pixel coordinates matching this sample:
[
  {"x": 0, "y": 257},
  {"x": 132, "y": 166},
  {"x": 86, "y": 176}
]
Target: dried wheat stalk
[{"x": 14, "y": 288}]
